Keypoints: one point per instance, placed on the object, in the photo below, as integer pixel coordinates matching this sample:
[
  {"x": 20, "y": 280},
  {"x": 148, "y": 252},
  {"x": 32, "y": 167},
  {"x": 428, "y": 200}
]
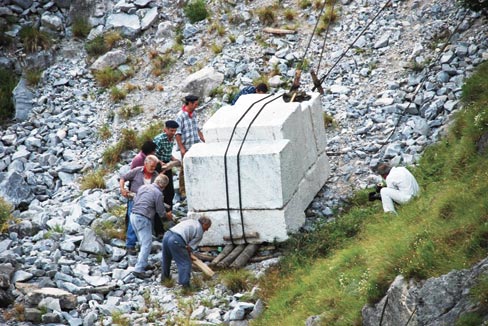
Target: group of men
[{"x": 150, "y": 197}]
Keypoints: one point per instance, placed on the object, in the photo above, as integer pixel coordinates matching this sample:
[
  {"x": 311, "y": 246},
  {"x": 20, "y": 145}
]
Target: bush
[
  {"x": 96, "y": 47},
  {"x": 128, "y": 112},
  {"x": 161, "y": 63},
  {"x": 8, "y": 81},
  {"x": 93, "y": 180},
  {"x": 81, "y": 27},
  {"x": 267, "y": 15},
  {"x": 33, "y": 76},
  {"x": 117, "y": 94},
  {"x": 34, "y": 39},
  {"x": 108, "y": 77},
  {"x": 5, "y": 209},
  {"x": 104, "y": 132},
  {"x": 196, "y": 10},
  {"x": 236, "y": 280}
]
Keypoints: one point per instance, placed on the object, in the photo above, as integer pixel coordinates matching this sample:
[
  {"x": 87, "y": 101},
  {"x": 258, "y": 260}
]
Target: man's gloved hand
[
  {"x": 378, "y": 187},
  {"x": 374, "y": 196}
]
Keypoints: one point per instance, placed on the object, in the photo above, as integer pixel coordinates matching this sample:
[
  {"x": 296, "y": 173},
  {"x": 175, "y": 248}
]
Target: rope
[
  {"x": 225, "y": 167},
  {"x": 239, "y": 165},
  {"x": 411, "y": 315},
  {"x": 326, "y": 33},
  {"x": 350, "y": 45}
]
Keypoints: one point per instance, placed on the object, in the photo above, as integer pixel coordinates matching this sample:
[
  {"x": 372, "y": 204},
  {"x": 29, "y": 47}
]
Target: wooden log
[
  {"x": 258, "y": 259},
  {"x": 250, "y": 235},
  {"x": 203, "y": 256},
  {"x": 202, "y": 266},
  {"x": 227, "y": 250},
  {"x": 231, "y": 257},
  {"x": 279, "y": 31},
  {"x": 245, "y": 255}
]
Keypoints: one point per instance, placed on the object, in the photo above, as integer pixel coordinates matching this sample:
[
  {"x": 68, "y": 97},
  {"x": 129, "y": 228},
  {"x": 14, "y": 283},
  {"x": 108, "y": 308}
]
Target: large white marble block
[{"x": 282, "y": 165}]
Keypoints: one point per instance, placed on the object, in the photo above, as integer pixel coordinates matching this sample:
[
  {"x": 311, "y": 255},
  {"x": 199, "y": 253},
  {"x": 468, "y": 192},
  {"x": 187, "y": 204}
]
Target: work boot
[
  {"x": 141, "y": 275},
  {"x": 131, "y": 251}
]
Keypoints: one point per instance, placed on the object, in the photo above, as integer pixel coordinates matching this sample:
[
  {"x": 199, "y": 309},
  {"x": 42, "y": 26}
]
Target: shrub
[
  {"x": 196, "y": 10},
  {"x": 5, "y": 209},
  {"x": 33, "y": 76},
  {"x": 117, "y": 94},
  {"x": 93, "y": 180},
  {"x": 267, "y": 15},
  {"x": 81, "y": 27},
  {"x": 96, "y": 47},
  {"x": 290, "y": 14},
  {"x": 104, "y": 132},
  {"x": 236, "y": 280},
  {"x": 216, "y": 48},
  {"x": 304, "y": 4},
  {"x": 111, "y": 38},
  {"x": 34, "y": 39},
  {"x": 128, "y": 112},
  {"x": 8, "y": 81},
  {"x": 161, "y": 63},
  {"x": 108, "y": 77}
]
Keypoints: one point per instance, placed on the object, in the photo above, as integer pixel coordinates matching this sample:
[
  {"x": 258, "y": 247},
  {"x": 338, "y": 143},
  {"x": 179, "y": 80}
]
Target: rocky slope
[{"x": 399, "y": 79}]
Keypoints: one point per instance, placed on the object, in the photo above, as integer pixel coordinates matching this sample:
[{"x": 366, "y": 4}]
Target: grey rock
[
  {"x": 111, "y": 59},
  {"x": 14, "y": 188},
  {"x": 149, "y": 18},
  {"x": 22, "y": 97},
  {"x": 24, "y": 4},
  {"x": 32, "y": 315},
  {"x": 202, "y": 82},
  {"x": 91, "y": 243},
  {"x": 22, "y": 276},
  {"x": 128, "y": 24},
  {"x": 51, "y": 21}
]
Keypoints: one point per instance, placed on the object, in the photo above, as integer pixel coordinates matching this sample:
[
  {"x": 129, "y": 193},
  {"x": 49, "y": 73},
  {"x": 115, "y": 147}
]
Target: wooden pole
[
  {"x": 231, "y": 257},
  {"x": 248, "y": 236},
  {"x": 202, "y": 266},
  {"x": 245, "y": 255},
  {"x": 227, "y": 250}
]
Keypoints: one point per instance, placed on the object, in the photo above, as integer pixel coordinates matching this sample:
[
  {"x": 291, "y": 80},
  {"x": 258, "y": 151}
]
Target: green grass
[
  {"x": 5, "y": 209},
  {"x": 337, "y": 269},
  {"x": 108, "y": 77},
  {"x": 93, "y": 180},
  {"x": 33, "y": 76},
  {"x": 81, "y": 27},
  {"x": 34, "y": 39},
  {"x": 196, "y": 10}
]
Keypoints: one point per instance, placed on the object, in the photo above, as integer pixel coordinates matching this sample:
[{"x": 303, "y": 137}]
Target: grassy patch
[
  {"x": 267, "y": 15},
  {"x": 196, "y": 10},
  {"x": 236, "y": 280},
  {"x": 117, "y": 94},
  {"x": 34, "y": 39},
  {"x": 337, "y": 269},
  {"x": 104, "y": 132},
  {"x": 5, "y": 209},
  {"x": 108, "y": 77},
  {"x": 33, "y": 76},
  {"x": 128, "y": 112},
  {"x": 161, "y": 63},
  {"x": 81, "y": 27},
  {"x": 93, "y": 180}
]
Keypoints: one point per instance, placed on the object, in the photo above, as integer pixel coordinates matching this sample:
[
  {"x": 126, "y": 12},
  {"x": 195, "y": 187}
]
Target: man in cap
[
  {"x": 178, "y": 244},
  {"x": 147, "y": 203},
  {"x": 164, "y": 147},
  {"x": 188, "y": 133}
]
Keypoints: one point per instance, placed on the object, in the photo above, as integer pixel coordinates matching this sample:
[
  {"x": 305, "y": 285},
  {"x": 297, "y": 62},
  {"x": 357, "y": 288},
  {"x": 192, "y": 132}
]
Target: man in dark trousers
[
  {"x": 164, "y": 147},
  {"x": 147, "y": 203},
  {"x": 178, "y": 244}
]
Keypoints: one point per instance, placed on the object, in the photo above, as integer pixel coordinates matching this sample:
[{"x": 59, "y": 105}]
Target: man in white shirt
[{"x": 401, "y": 186}]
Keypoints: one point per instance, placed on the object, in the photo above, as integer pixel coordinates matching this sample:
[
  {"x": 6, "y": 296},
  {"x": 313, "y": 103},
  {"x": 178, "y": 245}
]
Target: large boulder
[
  {"x": 23, "y": 97},
  {"x": 202, "y": 82},
  {"x": 15, "y": 189}
]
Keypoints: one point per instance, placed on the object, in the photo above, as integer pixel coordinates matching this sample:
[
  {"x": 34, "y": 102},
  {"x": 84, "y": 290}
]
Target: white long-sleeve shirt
[{"x": 401, "y": 179}]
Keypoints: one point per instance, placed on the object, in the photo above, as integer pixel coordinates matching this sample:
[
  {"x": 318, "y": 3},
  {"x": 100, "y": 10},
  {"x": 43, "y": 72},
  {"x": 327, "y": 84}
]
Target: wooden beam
[
  {"x": 202, "y": 266},
  {"x": 231, "y": 257},
  {"x": 227, "y": 250},
  {"x": 279, "y": 31},
  {"x": 245, "y": 255}
]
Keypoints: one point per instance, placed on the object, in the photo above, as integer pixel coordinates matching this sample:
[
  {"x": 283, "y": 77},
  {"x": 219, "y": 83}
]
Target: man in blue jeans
[
  {"x": 178, "y": 243},
  {"x": 137, "y": 177},
  {"x": 148, "y": 202}
]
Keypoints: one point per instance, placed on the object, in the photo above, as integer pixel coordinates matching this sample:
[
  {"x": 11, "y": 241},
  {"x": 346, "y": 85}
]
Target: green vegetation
[
  {"x": 93, "y": 180},
  {"x": 329, "y": 120},
  {"x": 33, "y": 76},
  {"x": 110, "y": 229},
  {"x": 476, "y": 5},
  {"x": 216, "y": 48},
  {"x": 108, "y": 77},
  {"x": 329, "y": 16},
  {"x": 81, "y": 27},
  {"x": 343, "y": 265},
  {"x": 104, "y": 132},
  {"x": 236, "y": 280},
  {"x": 117, "y": 94},
  {"x": 5, "y": 209},
  {"x": 129, "y": 140},
  {"x": 33, "y": 39},
  {"x": 267, "y": 15},
  {"x": 102, "y": 43},
  {"x": 161, "y": 64},
  {"x": 128, "y": 112},
  {"x": 118, "y": 318},
  {"x": 8, "y": 81},
  {"x": 196, "y": 10}
]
